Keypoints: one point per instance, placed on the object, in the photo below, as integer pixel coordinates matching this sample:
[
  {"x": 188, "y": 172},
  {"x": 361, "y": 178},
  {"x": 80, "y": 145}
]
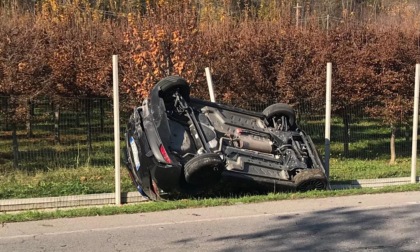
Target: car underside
[{"x": 179, "y": 144}]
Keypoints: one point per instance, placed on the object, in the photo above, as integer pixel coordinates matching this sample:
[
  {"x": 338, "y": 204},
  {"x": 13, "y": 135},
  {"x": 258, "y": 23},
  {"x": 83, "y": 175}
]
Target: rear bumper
[{"x": 148, "y": 173}]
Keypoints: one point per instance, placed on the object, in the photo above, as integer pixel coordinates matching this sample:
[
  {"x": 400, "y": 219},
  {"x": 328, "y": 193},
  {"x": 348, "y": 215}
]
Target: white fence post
[
  {"x": 116, "y": 130},
  {"x": 328, "y": 119},
  {"x": 210, "y": 84},
  {"x": 415, "y": 125}
]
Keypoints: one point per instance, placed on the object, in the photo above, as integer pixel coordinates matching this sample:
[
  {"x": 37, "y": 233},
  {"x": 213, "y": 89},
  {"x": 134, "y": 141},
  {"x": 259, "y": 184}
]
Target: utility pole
[
  {"x": 297, "y": 13},
  {"x": 328, "y": 24}
]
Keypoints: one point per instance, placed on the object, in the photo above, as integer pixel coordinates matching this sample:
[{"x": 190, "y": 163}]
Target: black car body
[{"x": 179, "y": 144}]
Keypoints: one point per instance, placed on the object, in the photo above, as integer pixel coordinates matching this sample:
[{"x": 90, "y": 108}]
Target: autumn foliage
[{"x": 254, "y": 51}]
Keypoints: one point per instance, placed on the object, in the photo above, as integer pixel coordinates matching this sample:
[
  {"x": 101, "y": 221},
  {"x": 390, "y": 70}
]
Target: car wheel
[
  {"x": 169, "y": 85},
  {"x": 311, "y": 179},
  {"x": 277, "y": 111},
  {"x": 204, "y": 169}
]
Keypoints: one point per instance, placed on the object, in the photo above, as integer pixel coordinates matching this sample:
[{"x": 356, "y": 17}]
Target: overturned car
[{"x": 178, "y": 144}]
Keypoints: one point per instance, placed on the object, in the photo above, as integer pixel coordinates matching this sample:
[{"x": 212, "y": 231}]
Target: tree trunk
[
  {"x": 57, "y": 123},
  {"x": 7, "y": 114},
  {"x": 407, "y": 132},
  {"x": 29, "y": 116},
  {"x": 89, "y": 126},
  {"x": 78, "y": 113},
  {"x": 15, "y": 147},
  {"x": 346, "y": 134},
  {"x": 392, "y": 145},
  {"x": 101, "y": 104}
]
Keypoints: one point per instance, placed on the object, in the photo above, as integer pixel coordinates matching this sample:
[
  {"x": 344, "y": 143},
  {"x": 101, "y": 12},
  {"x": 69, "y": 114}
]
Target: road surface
[{"x": 382, "y": 222}]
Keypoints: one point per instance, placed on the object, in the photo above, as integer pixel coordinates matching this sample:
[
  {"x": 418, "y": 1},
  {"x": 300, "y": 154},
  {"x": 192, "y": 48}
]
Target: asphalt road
[{"x": 383, "y": 222}]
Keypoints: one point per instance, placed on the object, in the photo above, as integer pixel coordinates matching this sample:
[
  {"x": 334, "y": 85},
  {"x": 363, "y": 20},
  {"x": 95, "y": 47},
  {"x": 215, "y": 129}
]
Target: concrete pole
[
  {"x": 210, "y": 84},
  {"x": 415, "y": 125},
  {"x": 117, "y": 156},
  {"x": 328, "y": 24},
  {"x": 328, "y": 119},
  {"x": 297, "y": 14}
]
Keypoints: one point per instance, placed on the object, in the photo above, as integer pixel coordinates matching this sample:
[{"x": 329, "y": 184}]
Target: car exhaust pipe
[{"x": 255, "y": 143}]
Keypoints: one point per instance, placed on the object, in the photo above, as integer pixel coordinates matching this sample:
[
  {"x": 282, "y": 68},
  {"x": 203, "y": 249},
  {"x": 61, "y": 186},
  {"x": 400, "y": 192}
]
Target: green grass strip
[{"x": 193, "y": 203}]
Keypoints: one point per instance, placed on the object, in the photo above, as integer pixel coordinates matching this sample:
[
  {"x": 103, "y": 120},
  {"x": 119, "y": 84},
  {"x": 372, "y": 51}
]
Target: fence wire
[
  {"x": 76, "y": 134},
  {"x": 70, "y": 134}
]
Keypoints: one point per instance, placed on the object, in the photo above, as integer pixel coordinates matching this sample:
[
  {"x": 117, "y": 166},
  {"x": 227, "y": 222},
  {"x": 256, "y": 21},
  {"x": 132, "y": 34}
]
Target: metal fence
[
  {"x": 75, "y": 133},
  {"x": 70, "y": 133}
]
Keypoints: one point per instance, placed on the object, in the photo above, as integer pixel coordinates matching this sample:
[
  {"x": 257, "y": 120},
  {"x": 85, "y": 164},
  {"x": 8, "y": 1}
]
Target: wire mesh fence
[
  {"x": 65, "y": 147},
  {"x": 58, "y": 147},
  {"x": 69, "y": 134}
]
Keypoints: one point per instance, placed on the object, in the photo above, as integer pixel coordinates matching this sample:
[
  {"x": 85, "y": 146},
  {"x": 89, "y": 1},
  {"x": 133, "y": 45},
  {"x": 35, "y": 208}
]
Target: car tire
[
  {"x": 278, "y": 110},
  {"x": 311, "y": 179},
  {"x": 169, "y": 85},
  {"x": 205, "y": 169}
]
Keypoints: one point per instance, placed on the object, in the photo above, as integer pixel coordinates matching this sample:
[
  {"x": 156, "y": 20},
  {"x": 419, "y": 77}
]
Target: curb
[
  {"x": 373, "y": 183},
  {"x": 102, "y": 199},
  {"x": 68, "y": 201}
]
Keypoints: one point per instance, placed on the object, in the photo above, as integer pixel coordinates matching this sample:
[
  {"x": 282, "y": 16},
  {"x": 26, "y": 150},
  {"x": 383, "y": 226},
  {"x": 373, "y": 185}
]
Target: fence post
[
  {"x": 116, "y": 129},
  {"x": 328, "y": 119},
  {"x": 415, "y": 125}
]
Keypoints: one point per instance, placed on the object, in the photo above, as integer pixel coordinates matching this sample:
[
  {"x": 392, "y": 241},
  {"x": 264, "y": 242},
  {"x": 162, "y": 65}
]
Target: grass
[
  {"x": 88, "y": 180},
  {"x": 192, "y": 203},
  {"x": 61, "y": 182},
  {"x": 350, "y": 169}
]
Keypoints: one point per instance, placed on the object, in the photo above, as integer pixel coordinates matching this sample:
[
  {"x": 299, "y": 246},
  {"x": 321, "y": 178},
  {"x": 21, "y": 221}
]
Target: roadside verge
[{"x": 11, "y": 205}]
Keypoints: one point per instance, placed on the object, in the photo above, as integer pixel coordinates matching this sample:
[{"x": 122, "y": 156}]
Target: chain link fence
[
  {"x": 65, "y": 147},
  {"x": 71, "y": 133},
  {"x": 57, "y": 148}
]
